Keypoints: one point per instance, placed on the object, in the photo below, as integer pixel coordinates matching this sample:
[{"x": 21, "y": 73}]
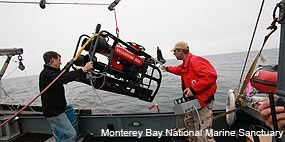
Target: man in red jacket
[{"x": 198, "y": 81}]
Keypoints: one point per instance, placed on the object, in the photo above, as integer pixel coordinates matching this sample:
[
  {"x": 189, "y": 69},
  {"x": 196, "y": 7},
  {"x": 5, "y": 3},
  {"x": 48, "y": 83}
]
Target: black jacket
[{"x": 53, "y": 99}]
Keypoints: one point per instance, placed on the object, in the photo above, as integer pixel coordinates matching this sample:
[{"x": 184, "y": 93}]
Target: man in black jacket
[{"x": 53, "y": 99}]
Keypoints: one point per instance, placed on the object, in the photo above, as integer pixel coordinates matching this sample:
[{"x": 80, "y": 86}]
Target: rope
[
  {"x": 11, "y": 59},
  {"x": 155, "y": 105},
  {"x": 102, "y": 75},
  {"x": 226, "y": 113},
  {"x": 99, "y": 97},
  {"x": 3, "y": 123},
  {"x": 62, "y": 72},
  {"x": 273, "y": 28},
  {"x": 250, "y": 45},
  {"x": 117, "y": 28},
  {"x": 59, "y": 3},
  {"x": 3, "y": 91},
  {"x": 10, "y": 72}
]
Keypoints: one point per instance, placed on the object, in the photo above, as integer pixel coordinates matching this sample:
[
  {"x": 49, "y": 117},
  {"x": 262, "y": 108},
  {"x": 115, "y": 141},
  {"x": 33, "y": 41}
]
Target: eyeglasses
[{"x": 175, "y": 50}]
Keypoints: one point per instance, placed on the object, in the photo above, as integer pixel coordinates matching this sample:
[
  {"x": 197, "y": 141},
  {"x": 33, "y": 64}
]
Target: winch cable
[
  {"x": 61, "y": 73},
  {"x": 273, "y": 28},
  {"x": 10, "y": 72},
  {"x": 250, "y": 45},
  {"x": 3, "y": 70},
  {"x": 59, "y": 3},
  {"x": 117, "y": 27},
  {"x": 112, "y": 7}
]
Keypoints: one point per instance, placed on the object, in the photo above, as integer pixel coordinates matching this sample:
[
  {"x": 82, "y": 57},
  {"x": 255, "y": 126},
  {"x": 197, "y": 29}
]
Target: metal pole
[
  {"x": 281, "y": 61},
  {"x": 4, "y": 67}
]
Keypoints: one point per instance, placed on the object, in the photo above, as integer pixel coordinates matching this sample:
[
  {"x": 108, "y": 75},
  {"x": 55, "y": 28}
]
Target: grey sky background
[{"x": 209, "y": 26}]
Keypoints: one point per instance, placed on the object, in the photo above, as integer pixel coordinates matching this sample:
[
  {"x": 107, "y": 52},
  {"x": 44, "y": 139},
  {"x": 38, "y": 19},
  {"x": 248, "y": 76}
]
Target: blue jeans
[{"x": 62, "y": 128}]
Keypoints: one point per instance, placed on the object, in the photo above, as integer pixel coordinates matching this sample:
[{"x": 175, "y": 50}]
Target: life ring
[{"x": 231, "y": 105}]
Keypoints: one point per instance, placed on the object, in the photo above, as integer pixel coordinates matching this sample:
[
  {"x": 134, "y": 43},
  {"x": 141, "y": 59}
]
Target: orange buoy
[{"x": 264, "y": 78}]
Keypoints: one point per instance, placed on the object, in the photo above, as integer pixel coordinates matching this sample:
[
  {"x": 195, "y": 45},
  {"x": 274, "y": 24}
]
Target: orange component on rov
[{"x": 128, "y": 56}]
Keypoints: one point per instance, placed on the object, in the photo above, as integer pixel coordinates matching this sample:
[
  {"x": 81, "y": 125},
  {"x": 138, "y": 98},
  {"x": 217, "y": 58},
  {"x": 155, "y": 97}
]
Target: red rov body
[{"x": 123, "y": 55}]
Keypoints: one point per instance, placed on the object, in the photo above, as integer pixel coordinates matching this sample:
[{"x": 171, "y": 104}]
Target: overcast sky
[{"x": 209, "y": 26}]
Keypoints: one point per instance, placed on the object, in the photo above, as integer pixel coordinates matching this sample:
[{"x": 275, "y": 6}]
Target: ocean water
[{"x": 228, "y": 66}]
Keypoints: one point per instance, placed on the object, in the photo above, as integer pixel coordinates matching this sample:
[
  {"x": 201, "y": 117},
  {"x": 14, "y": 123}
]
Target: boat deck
[
  {"x": 33, "y": 137},
  {"x": 36, "y": 137},
  {"x": 34, "y": 128}
]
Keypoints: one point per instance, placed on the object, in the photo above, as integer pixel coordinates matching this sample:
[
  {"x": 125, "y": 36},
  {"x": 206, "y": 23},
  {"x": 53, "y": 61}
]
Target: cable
[
  {"x": 18, "y": 2},
  {"x": 10, "y": 59},
  {"x": 98, "y": 95},
  {"x": 250, "y": 45},
  {"x": 10, "y": 72},
  {"x": 59, "y": 3},
  {"x": 10, "y": 118},
  {"x": 101, "y": 75},
  {"x": 117, "y": 27},
  {"x": 4, "y": 91}
]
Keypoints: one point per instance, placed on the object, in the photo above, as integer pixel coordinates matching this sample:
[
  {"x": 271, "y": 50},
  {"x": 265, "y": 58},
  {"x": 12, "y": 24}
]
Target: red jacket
[{"x": 198, "y": 75}]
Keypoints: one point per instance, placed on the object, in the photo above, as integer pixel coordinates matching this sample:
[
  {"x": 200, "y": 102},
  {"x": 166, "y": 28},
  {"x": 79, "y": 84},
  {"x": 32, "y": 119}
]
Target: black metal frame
[
  {"x": 127, "y": 84},
  {"x": 281, "y": 60}
]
